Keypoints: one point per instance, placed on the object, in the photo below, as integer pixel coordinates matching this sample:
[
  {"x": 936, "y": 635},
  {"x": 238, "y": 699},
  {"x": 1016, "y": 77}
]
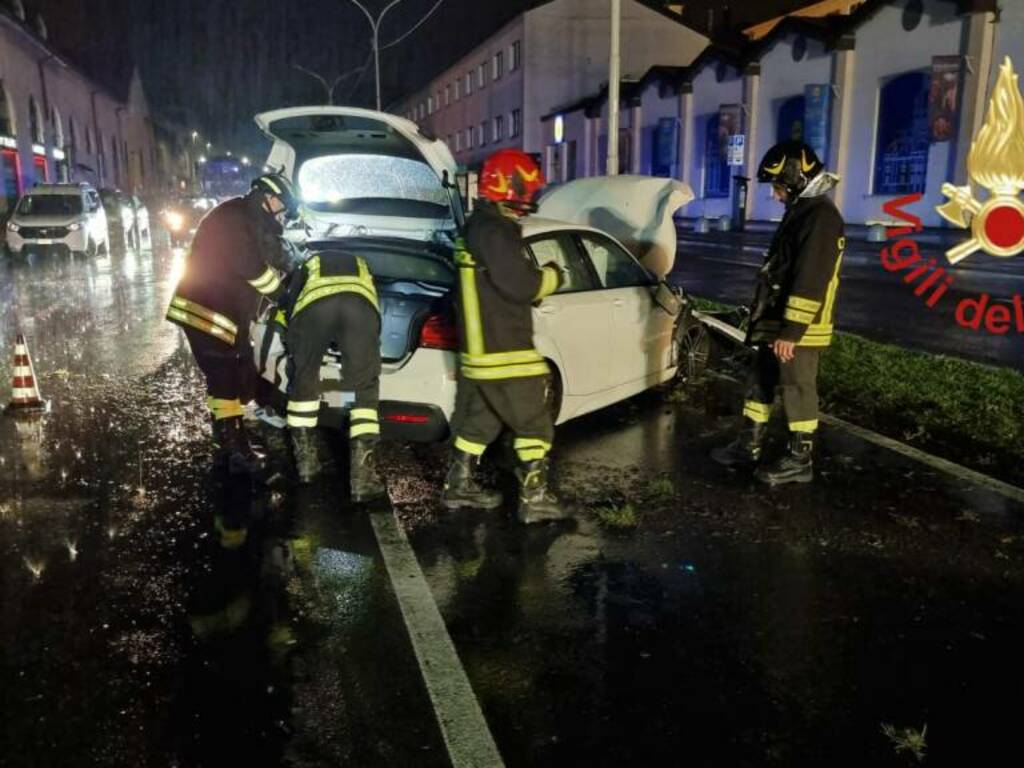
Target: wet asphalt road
[
  {"x": 732, "y": 627},
  {"x": 872, "y": 302}
]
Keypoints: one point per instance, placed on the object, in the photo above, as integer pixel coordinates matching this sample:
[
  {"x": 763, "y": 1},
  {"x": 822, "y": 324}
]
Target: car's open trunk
[{"x": 414, "y": 282}]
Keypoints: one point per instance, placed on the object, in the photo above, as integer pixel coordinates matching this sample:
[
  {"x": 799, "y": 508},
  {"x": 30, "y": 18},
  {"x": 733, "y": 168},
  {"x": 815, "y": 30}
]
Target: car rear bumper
[{"x": 408, "y": 422}]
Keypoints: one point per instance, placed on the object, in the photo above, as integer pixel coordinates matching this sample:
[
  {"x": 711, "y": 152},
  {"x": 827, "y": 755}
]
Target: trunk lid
[{"x": 363, "y": 173}]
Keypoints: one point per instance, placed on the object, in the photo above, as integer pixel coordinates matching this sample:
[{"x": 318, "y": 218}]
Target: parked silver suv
[{"x": 65, "y": 218}]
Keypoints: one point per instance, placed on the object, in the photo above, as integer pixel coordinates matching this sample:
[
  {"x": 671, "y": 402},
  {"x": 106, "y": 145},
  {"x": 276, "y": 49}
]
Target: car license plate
[{"x": 44, "y": 242}]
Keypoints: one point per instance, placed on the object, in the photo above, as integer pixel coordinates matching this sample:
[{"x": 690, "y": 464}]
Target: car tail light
[
  {"x": 407, "y": 418},
  {"x": 438, "y": 333}
]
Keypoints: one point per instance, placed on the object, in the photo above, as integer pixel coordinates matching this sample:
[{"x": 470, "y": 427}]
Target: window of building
[
  {"x": 790, "y": 125},
  {"x": 35, "y": 121},
  {"x": 481, "y": 134},
  {"x": 7, "y": 126},
  {"x": 430, "y": 105},
  {"x": 515, "y": 123},
  {"x": 499, "y": 128},
  {"x": 481, "y": 76},
  {"x": 499, "y": 64},
  {"x": 716, "y": 171},
  {"x": 515, "y": 55},
  {"x": 469, "y": 138},
  {"x": 437, "y": 101},
  {"x": 447, "y": 95},
  {"x": 901, "y": 149},
  {"x": 458, "y": 141},
  {"x": 458, "y": 90},
  {"x": 469, "y": 83}
]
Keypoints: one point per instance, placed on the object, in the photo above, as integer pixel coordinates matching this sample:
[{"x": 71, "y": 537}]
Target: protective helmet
[
  {"x": 790, "y": 164},
  {"x": 511, "y": 176},
  {"x": 277, "y": 185}
]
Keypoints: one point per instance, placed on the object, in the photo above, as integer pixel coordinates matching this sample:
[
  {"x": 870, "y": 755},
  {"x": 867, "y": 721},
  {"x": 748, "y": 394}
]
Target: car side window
[
  {"x": 614, "y": 266},
  {"x": 560, "y": 249}
]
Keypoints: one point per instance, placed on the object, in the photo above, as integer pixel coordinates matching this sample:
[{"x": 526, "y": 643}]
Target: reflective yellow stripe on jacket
[
  {"x": 188, "y": 313},
  {"x": 476, "y": 362},
  {"x": 819, "y": 332},
  {"x": 318, "y": 287}
]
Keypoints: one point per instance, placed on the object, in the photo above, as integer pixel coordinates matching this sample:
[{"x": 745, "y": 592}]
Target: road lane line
[
  {"x": 944, "y": 465},
  {"x": 466, "y": 734}
]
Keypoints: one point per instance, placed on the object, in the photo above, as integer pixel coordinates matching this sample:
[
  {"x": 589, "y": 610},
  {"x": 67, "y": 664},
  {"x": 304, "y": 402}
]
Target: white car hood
[
  {"x": 374, "y": 134},
  {"x": 47, "y": 221},
  {"x": 635, "y": 210}
]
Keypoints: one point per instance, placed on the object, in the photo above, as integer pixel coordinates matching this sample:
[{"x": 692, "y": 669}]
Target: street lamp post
[
  {"x": 614, "y": 64},
  {"x": 329, "y": 89},
  {"x": 375, "y": 26}
]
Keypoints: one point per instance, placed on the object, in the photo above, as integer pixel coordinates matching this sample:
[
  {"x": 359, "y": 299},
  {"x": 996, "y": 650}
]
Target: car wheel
[
  {"x": 553, "y": 394},
  {"x": 693, "y": 349}
]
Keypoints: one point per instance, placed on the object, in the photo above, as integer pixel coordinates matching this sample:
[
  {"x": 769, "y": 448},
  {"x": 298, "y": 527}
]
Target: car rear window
[
  {"x": 378, "y": 185},
  {"x": 50, "y": 205}
]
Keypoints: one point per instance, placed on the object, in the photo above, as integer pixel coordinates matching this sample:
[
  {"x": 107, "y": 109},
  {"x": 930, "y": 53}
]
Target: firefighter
[
  {"x": 791, "y": 320},
  {"x": 227, "y": 271},
  {"x": 332, "y": 299},
  {"x": 503, "y": 380}
]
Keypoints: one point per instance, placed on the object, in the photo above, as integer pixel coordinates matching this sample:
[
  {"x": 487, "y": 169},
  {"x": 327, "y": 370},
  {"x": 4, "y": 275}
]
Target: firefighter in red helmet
[{"x": 503, "y": 380}]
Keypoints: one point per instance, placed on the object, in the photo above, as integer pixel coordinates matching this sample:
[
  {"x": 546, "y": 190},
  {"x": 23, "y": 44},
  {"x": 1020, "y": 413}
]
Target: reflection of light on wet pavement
[
  {"x": 35, "y": 567},
  {"x": 72, "y": 548}
]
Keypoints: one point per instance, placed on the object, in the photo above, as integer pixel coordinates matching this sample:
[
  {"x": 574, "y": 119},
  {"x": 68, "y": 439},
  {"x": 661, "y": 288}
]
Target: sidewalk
[{"x": 751, "y": 244}]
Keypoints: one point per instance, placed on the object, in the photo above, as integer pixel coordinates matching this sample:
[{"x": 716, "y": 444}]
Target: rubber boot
[
  {"x": 461, "y": 488},
  {"x": 307, "y": 454},
  {"x": 536, "y": 503},
  {"x": 234, "y": 451},
  {"x": 364, "y": 479},
  {"x": 796, "y": 466},
  {"x": 745, "y": 450}
]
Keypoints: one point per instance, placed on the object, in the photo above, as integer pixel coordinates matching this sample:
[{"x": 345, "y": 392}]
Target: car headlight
[
  {"x": 174, "y": 220},
  {"x": 11, "y": 226},
  {"x": 74, "y": 226}
]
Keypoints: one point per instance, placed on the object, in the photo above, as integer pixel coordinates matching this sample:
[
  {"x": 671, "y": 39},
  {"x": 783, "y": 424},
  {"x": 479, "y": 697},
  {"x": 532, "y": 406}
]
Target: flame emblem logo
[{"x": 996, "y": 163}]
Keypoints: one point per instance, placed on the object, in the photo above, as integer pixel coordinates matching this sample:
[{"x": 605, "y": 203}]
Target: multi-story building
[
  {"x": 57, "y": 125},
  {"x": 494, "y": 96},
  {"x": 890, "y": 93}
]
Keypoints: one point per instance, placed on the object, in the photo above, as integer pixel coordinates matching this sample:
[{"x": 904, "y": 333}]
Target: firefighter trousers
[
  {"x": 231, "y": 376},
  {"x": 484, "y": 408},
  {"x": 351, "y": 324},
  {"x": 798, "y": 380}
]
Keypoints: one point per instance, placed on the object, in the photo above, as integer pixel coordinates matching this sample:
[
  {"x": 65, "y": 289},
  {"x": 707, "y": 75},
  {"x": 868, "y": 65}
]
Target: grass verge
[
  {"x": 963, "y": 411},
  {"x": 618, "y": 517}
]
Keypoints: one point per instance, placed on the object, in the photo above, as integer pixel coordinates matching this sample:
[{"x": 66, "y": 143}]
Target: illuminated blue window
[
  {"x": 901, "y": 152},
  {"x": 716, "y": 172},
  {"x": 790, "y": 125}
]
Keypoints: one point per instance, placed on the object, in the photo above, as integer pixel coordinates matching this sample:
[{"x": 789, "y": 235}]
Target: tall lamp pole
[
  {"x": 328, "y": 89},
  {"x": 375, "y": 26},
  {"x": 614, "y": 65}
]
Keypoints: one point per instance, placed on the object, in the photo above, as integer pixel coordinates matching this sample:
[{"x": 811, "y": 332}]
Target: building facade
[
  {"x": 495, "y": 96},
  {"x": 57, "y": 125},
  {"x": 890, "y": 95}
]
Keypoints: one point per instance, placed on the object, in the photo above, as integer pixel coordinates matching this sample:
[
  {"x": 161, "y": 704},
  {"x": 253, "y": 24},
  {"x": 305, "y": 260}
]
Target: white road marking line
[
  {"x": 944, "y": 465},
  {"x": 466, "y": 734}
]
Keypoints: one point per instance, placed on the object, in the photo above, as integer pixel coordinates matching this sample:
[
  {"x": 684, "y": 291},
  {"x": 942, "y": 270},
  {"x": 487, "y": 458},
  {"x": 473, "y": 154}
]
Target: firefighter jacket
[
  {"x": 228, "y": 270},
  {"x": 498, "y": 285},
  {"x": 797, "y": 287},
  {"x": 323, "y": 274}
]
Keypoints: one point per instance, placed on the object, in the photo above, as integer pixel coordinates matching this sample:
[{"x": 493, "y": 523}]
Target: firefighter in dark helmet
[
  {"x": 332, "y": 300},
  {"x": 792, "y": 316},
  {"x": 228, "y": 270},
  {"x": 502, "y": 379}
]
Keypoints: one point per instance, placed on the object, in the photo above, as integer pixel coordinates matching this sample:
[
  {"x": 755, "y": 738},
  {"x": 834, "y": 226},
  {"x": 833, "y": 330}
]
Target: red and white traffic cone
[{"x": 25, "y": 397}]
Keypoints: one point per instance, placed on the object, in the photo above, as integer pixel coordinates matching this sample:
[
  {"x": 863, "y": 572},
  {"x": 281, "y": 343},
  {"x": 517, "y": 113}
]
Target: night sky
[{"x": 213, "y": 64}]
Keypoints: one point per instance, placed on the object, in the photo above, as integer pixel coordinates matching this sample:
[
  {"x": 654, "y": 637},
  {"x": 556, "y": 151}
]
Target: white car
[
  {"x": 66, "y": 218},
  {"x": 373, "y": 185}
]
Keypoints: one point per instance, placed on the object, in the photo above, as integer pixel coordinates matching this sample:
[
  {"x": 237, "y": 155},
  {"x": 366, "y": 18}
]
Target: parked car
[
  {"x": 181, "y": 218},
  {"x": 127, "y": 219},
  {"x": 65, "y": 218},
  {"x": 373, "y": 185}
]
